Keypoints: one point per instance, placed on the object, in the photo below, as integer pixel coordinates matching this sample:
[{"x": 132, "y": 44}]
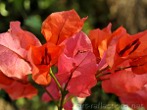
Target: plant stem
[
  {"x": 102, "y": 70},
  {"x": 62, "y": 100},
  {"x": 55, "y": 79},
  {"x": 69, "y": 98},
  {"x": 64, "y": 92},
  {"x": 60, "y": 106},
  {"x": 102, "y": 73}
]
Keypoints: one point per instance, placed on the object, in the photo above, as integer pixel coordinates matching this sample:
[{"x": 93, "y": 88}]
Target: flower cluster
[{"x": 117, "y": 59}]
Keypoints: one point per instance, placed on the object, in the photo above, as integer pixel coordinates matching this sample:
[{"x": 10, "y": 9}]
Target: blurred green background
[{"x": 132, "y": 14}]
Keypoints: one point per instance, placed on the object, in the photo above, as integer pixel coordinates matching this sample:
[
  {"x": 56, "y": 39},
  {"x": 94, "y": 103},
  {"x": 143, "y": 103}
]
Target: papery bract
[
  {"x": 77, "y": 65},
  {"x": 42, "y": 58},
  {"x": 12, "y": 65},
  {"x": 125, "y": 82},
  {"x": 14, "y": 47},
  {"x": 99, "y": 39},
  {"x": 61, "y": 25},
  {"x": 136, "y": 100}
]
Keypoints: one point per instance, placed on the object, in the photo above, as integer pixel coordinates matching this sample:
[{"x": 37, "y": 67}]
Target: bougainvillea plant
[{"x": 117, "y": 59}]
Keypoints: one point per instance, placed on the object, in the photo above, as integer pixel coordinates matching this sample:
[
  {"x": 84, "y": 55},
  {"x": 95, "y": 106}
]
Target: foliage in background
[{"x": 31, "y": 13}]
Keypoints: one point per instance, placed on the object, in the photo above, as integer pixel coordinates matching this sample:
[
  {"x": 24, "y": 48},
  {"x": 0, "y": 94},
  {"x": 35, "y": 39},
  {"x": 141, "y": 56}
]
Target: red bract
[
  {"x": 136, "y": 100},
  {"x": 127, "y": 80},
  {"x": 77, "y": 65},
  {"x": 126, "y": 85},
  {"x": 42, "y": 58},
  {"x": 14, "y": 66},
  {"x": 61, "y": 25}
]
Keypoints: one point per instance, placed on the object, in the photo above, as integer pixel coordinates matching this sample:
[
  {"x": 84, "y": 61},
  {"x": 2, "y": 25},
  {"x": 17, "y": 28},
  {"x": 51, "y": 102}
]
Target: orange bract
[
  {"x": 42, "y": 58},
  {"x": 61, "y": 25},
  {"x": 99, "y": 39}
]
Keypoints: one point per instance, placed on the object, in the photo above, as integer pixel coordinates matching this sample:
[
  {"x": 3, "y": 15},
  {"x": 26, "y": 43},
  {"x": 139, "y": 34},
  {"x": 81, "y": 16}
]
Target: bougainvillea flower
[
  {"x": 61, "y": 25},
  {"x": 76, "y": 70},
  {"x": 117, "y": 45},
  {"x": 126, "y": 55},
  {"x": 11, "y": 87},
  {"x": 42, "y": 58},
  {"x": 76, "y": 66},
  {"x": 125, "y": 82},
  {"x": 104, "y": 45},
  {"x": 14, "y": 65},
  {"x": 128, "y": 47}
]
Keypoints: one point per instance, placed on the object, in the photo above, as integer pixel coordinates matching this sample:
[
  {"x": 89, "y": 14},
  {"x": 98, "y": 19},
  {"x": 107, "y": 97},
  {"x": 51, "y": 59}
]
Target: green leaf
[{"x": 34, "y": 22}]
